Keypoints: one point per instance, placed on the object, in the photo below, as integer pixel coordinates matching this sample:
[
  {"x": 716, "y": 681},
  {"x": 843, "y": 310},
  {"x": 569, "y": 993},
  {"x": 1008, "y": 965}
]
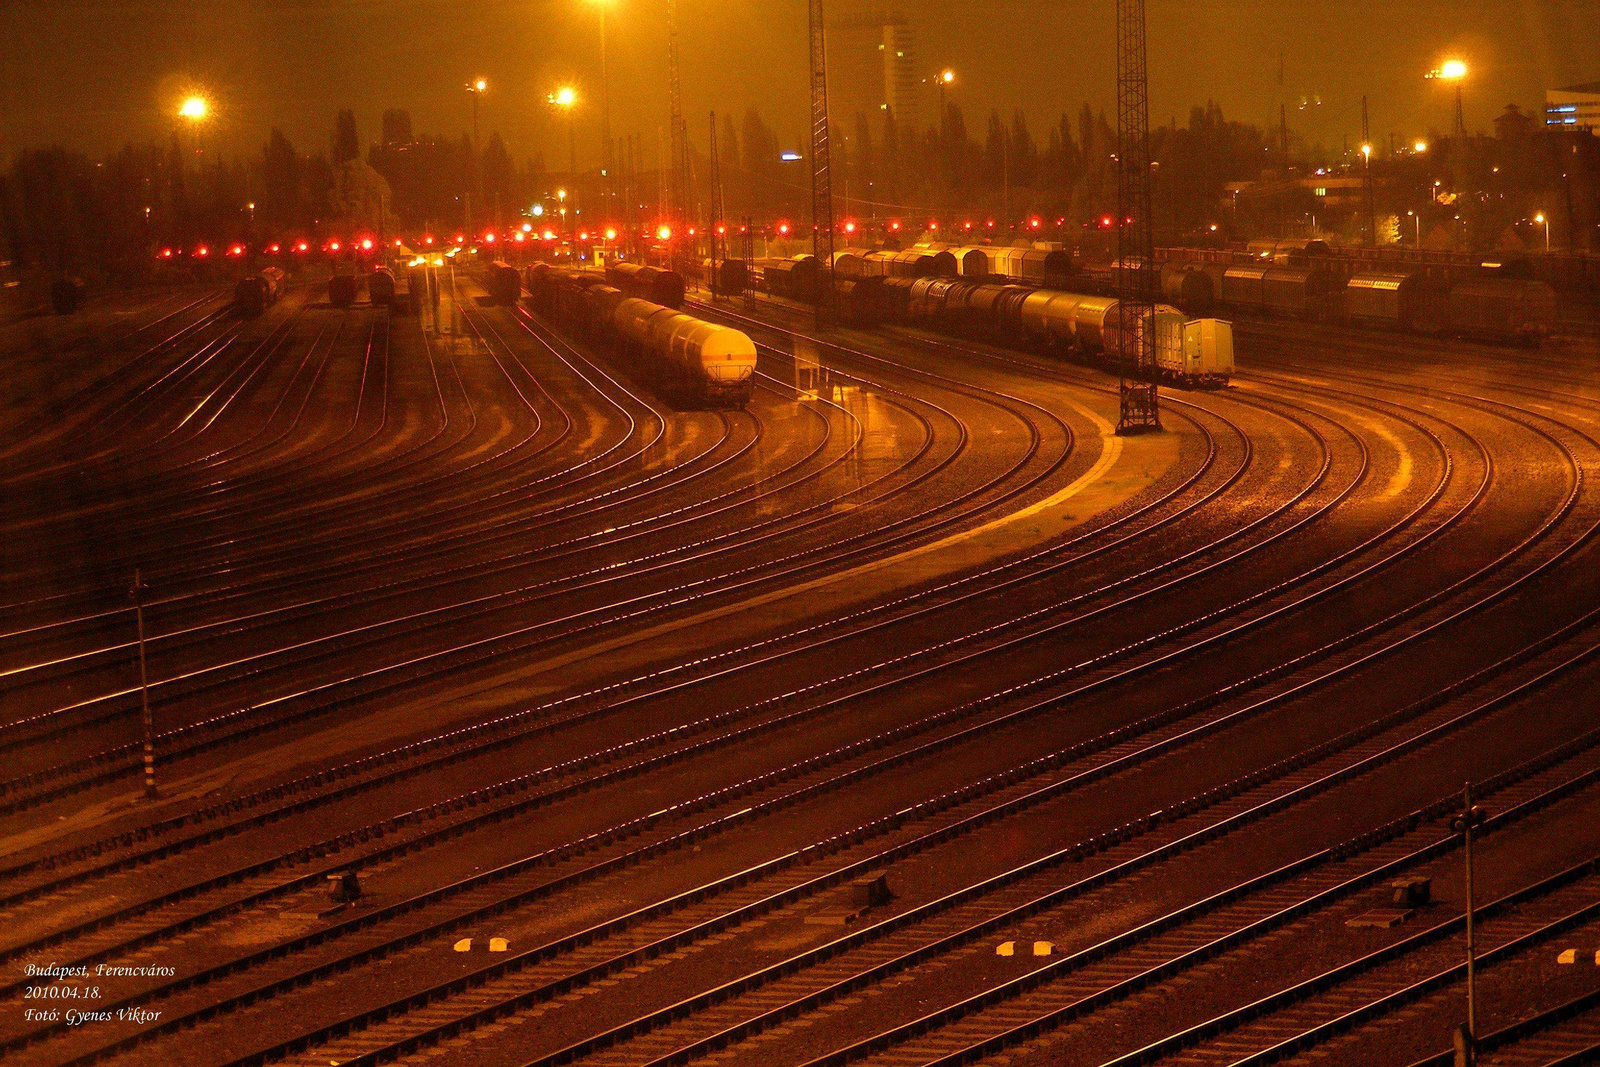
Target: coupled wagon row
[
  {"x": 1480, "y": 305},
  {"x": 1483, "y": 304},
  {"x": 706, "y": 361},
  {"x": 920, "y": 288}
]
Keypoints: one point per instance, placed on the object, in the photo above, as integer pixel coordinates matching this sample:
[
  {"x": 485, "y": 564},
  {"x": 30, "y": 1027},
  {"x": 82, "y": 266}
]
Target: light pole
[
  {"x": 1418, "y": 219},
  {"x": 605, "y": 105},
  {"x": 194, "y": 109},
  {"x": 1453, "y": 70},
  {"x": 477, "y": 88},
  {"x": 946, "y": 77},
  {"x": 1372, "y": 216},
  {"x": 136, "y": 593},
  {"x": 1471, "y": 818},
  {"x": 1544, "y": 219},
  {"x": 566, "y": 98}
]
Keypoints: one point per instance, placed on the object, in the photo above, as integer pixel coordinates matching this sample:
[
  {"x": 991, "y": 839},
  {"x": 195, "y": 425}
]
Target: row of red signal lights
[{"x": 367, "y": 244}]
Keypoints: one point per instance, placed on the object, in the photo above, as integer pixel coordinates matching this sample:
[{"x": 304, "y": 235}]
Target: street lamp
[
  {"x": 566, "y": 98},
  {"x": 946, "y": 77},
  {"x": 477, "y": 88},
  {"x": 1372, "y": 217},
  {"x": 1453, "y": 70},
  {"x": 194, "y": 110},
  {"x": 1544, "y": 220},
  {"x": 605, "y": 102},
  {"x": 1418, "y": 219}
]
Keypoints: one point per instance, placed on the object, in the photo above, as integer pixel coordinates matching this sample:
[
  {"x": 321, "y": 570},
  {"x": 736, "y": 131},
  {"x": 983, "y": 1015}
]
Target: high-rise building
[
  {"x": 1575, "y": 107},
  {"x": 872, "y": 66}
]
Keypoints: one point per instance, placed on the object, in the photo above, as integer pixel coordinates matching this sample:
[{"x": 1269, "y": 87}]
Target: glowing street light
[
  {"x": 1420, "y": 147},
  {"x": 943, "y": 79},
  {"x": 1453, "y": 70},
  {"x": 1544, "y": 220},
  {"x": 477, "y": 88},
  {"x": 566, "y": 98},
  {"x": 194, "y": 108}
]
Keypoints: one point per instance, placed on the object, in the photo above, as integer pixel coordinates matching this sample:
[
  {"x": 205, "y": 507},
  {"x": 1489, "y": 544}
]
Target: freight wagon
[
  {"x": 707, "y": 361},
  {"x": 1088, "y": 327},
  {"x": 504, "y": 284},
  {"x": 257, "y": 292},
  {"x": 380, "y": 286},
  {"x": 664, "y": 287}
]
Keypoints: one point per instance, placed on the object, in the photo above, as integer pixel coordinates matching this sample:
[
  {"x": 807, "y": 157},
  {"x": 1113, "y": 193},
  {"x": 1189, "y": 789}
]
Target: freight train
[
  {"x": 381, "y": 287},
  {"x": 664, "y": 287},
  {"x": 504, "y": 283},
  {"x": 342, "y": 290},
  {"x": 708, "y": 362},
  {"x": 1482, "y": 305},
  {"x": 257, "y": 292},
  {"x": 1185, "y": 351}
]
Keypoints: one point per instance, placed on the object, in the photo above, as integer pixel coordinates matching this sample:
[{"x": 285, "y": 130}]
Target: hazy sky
[{"x": 95, "y": 73}]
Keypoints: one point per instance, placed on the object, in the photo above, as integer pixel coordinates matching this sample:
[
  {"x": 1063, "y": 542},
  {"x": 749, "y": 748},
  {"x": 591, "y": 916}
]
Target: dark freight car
[
  {"x": 342, "y": 290},
  {"x": 1502, "y": 309},
  {"x": 1403, "y": 301},
  {"x": 254, "y": 294},
  {"x": 381, "y": 287},
  {"x": 504, "y": 284},
  {"x": 664, "y": 287}
]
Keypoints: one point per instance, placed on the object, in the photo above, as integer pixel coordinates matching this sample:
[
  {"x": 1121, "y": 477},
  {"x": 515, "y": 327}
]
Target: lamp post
[
  {"x": 605, "y": 104},
  {"x": 1372, "y": 216},
  {"x": 1418, "y": 219},
  {"x": 194, "y": 110},
  {"x": 945, "y": 78},
  {"x": 1454, "y": 71},
  {"x": 136, "y": 593},
  {"x": 1470, "y": 819},
  {"x": 566, "y": 98},
  {"x": 477, "y": 88},
  {"x": 1544, "y": 220}
]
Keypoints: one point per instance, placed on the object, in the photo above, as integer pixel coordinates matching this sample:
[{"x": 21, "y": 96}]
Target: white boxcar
[{"x": 1207, "y": 351}]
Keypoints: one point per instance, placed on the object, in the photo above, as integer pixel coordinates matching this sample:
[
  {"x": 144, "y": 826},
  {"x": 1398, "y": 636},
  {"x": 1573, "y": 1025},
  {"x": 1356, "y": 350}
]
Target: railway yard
[{"x": 510, "y": 708}]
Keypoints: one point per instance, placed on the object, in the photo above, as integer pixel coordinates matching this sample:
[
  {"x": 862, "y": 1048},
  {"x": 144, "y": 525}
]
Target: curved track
[{"x": 619, "y": 712}]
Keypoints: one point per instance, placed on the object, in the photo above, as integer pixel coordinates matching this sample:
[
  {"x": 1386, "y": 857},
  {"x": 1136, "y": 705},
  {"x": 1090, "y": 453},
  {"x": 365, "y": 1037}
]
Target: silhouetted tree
[
  {"x": 346, "y": 144},
  {"x": 397, "y": 126}
]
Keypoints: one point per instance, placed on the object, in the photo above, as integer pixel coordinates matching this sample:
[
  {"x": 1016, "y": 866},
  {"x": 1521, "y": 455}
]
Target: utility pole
[
  {"x": 607, "y": 155},
  {"x": 719, "y": 243},
  {"x": 1136, "y": 282},
  {"x": 748, "y": 251},
  {"x": 821, "y": 169},
  {"x": 1366, "y": 152},
  {"x": 679, "y": 211},
  {"x": 1471, "y": 818},
  {"x": 136, "y": 592},
  {"x": 1005, "y": 175}
]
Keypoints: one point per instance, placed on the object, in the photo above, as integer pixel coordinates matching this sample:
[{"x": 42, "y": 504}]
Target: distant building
[
  {"x": 1575, "y": 107},
  {"x": 872, "y": 67},
  {"x": 1513, "y": 124}
]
